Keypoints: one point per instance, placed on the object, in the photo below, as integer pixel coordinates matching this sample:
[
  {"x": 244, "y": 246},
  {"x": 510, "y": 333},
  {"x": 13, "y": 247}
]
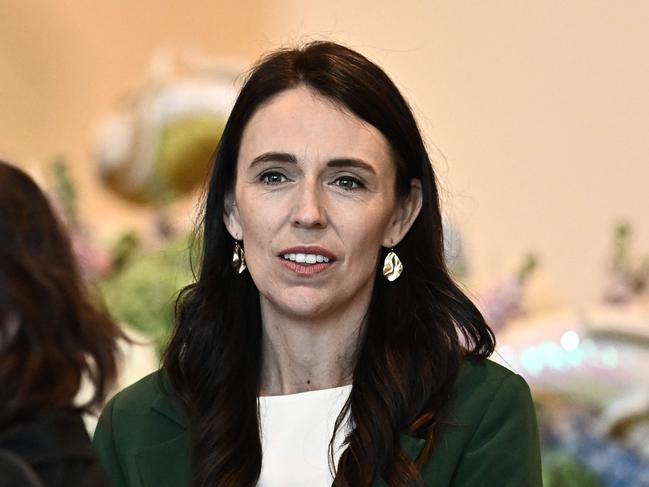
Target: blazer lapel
[
  {"x": 412, "y": 447},
  {"x": 167, "y": 463}
]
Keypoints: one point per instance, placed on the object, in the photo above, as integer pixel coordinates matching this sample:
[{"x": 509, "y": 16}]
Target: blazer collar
[
  {"x": 174, "y": 453},
  {"x": 411, "y": 445},
  {"x": 167, "y": 463},
  {"x": 169, "y": 407}
]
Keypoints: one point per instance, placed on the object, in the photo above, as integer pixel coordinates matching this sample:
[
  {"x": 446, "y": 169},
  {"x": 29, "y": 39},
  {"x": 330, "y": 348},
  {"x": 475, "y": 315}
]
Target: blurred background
[{"x": 535, "y": 114}]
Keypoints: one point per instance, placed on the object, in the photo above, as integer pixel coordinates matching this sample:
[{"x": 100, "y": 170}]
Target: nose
[{"x": 309, "y": 209}]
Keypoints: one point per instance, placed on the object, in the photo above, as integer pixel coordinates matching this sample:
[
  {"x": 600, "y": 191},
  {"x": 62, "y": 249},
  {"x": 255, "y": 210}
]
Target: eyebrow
[
  {"x": 288, "y": 157},
  {"x": 273, "y": 157}
]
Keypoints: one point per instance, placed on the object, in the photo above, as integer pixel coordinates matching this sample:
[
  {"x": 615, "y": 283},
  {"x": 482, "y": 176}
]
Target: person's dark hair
[
  {"x": 51, "y": 333},
  {"x": 418, "y": 328}
]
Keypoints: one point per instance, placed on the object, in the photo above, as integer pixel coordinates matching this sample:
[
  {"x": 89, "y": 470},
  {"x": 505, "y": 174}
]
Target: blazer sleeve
[
  {"x": 504, "y": 450},
  {"x": 105, "y": 445}
]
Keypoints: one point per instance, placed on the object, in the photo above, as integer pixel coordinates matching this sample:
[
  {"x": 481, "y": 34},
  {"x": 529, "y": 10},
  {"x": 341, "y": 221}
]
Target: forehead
[{"x": 310, "y": 126}]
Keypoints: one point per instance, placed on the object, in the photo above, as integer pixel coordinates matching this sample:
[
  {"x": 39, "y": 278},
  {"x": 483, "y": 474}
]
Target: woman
[
  {"x": 323, "y": 336},
  {"x": 51, "y": 336}
]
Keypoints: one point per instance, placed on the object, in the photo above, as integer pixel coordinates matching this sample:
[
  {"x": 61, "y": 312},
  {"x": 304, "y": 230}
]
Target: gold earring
[
  {"x": 392, "y": 266},
  {"x": 238, "y": 258}
]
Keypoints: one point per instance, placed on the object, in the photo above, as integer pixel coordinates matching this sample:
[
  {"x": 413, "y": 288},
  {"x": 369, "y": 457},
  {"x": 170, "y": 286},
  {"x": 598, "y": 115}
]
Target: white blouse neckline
[{"x": 296, "y": 430}]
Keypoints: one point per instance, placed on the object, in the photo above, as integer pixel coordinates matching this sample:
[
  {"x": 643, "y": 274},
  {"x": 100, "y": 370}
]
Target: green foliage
[
  {"x": 142, "y": 294},
  {"x": 562, "y": 470},
  {"x": 64, "y": 190}
]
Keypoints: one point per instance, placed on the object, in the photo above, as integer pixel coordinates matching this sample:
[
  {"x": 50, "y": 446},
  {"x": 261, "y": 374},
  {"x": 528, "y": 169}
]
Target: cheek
[
  {"x": 252, "y": 216},
  {"x": 371, "y": 226},
  {"x": 258, "y": 232},
  {"x": 365, "y": 239},
  {"x": 258, "y": 260}
]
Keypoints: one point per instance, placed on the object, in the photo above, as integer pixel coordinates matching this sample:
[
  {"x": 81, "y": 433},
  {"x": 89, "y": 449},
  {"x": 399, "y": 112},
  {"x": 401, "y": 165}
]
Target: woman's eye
[
  {"x": 348, "y": 182},
  {"x": 273, "y": 178}
]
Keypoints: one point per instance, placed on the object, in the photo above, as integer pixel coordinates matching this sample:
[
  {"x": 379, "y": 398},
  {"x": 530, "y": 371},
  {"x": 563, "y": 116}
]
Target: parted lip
[{"x": 309, "y": 250}]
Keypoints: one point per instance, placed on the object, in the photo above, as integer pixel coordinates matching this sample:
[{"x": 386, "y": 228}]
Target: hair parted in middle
[{"x": 417, "y": 329}]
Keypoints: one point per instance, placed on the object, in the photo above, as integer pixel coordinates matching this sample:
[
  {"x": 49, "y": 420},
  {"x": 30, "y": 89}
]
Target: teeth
[{"x": 306, "y": 258}]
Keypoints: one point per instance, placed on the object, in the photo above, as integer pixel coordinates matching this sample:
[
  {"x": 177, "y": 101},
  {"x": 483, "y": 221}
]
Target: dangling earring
[
  {"x": 238, "y": 258},
  {"x": 392, "y": 266}
]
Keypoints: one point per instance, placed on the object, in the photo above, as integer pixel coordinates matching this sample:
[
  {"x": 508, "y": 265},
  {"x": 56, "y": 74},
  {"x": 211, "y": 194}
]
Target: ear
[
  {"x": 405, "y": 214},
  {"x": 231, "y": 218}
]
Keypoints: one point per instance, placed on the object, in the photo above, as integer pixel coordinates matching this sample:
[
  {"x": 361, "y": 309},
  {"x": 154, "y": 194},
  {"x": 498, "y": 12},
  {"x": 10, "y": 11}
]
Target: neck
[{"x": 301, "y": 355}]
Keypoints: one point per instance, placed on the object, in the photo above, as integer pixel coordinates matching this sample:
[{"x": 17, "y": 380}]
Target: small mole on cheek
[{"x": 308, "y": 382}]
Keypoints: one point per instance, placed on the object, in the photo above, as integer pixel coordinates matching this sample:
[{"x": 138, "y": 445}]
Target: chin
[
  {"x": 306, "y": 311},
  {"x": 302, "y": 305}
]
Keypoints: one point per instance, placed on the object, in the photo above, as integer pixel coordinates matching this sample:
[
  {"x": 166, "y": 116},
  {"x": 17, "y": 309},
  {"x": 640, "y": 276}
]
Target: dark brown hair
[
  {"x": 51, "y": 334},
  {"x": 417, "y": 331}
]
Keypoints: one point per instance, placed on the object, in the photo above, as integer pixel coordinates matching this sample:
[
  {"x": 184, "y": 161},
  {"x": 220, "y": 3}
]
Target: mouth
[{"x": 307, "y": 260}]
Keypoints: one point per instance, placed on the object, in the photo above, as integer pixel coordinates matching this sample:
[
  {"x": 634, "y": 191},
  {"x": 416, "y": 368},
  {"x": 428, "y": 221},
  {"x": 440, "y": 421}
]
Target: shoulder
[
  {"x": 136, "y": 420},
  {"x": 144, "y": 409},
  {"x": 138, "y": 398},
  {"x": 485, "y": 387},
  {"x": 481, "y": 380},
  {"x": 490, "y": 435}
]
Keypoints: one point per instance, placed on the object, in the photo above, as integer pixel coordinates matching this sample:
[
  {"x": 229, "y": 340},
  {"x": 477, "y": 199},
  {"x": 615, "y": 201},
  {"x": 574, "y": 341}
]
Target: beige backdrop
[{"x": 537, "y": 111}]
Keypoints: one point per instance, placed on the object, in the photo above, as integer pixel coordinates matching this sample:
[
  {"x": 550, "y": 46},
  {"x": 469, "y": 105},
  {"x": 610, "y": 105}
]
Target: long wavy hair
[
  {"x": 52, "y": 332},
  {"x": 417, "y": 330}
]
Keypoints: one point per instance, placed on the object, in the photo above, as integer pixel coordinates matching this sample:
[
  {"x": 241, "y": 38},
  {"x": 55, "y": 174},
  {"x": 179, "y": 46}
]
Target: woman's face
[{"x": 313, "y": 203}]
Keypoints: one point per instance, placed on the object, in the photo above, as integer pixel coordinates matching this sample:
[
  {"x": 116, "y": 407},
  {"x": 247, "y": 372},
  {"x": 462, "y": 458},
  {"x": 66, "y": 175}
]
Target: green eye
[
  {"x": 348, "y": 182},
  {"x": 273, "y": 178}
]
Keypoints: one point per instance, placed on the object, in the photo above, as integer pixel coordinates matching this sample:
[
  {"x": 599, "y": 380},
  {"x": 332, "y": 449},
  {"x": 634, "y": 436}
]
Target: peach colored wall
[
  {"x": 62, "y": 63},
  {"x": 540, "y": 108}
]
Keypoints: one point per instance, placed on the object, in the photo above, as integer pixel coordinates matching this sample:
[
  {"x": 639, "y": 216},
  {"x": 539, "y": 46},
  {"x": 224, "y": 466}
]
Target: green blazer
[{"x": 491, "y": 438}]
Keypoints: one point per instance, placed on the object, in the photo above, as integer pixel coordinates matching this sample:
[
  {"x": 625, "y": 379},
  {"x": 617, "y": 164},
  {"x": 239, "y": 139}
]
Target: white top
[{"x": 295, "y": 434}]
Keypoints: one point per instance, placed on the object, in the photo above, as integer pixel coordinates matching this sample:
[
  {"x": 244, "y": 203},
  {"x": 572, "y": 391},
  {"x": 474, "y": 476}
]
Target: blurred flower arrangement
[
  {"x": 95, "y": 261},
  {"x": 137, "y": 285},
  {"x": 586, "y": 368},
  {"x": 504, "y": 301},
  {"x": 156, "y": 144},
  {"x": 628, "y": 275},
  {"x": 578, "y": 454},
  {"x": 153, "y": 148}
]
